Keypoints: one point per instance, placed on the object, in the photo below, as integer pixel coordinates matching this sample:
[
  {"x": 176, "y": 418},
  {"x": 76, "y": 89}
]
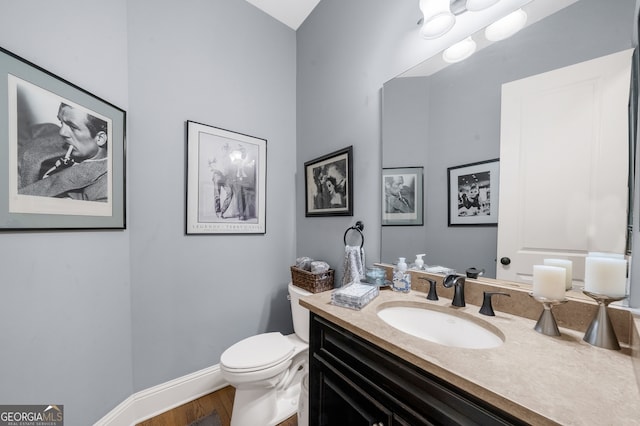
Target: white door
[{"x": 564, "y": 166}]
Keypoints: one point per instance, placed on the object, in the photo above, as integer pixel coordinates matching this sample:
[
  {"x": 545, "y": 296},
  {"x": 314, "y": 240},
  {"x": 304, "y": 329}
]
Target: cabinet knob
[{"x": 505, "y": 261}]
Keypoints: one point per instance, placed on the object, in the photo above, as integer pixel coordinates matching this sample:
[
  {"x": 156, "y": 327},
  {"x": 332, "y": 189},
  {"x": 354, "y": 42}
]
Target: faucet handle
[
  {"x": 487, "y": 308},
  {"x": 433, "y": 295},
  {"x": 432, "y": 290}
]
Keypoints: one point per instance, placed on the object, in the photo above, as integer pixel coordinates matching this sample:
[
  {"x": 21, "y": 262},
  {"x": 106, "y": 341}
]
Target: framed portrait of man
[
  {"x": 64, "y": 153},
  {"x": 402, "y": 196}
]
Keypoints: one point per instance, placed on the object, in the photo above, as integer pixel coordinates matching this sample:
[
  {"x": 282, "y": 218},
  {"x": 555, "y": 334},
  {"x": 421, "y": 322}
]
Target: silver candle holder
[
  {"x": 547, "y": 323},
  {"x": 600, "y": 332}
]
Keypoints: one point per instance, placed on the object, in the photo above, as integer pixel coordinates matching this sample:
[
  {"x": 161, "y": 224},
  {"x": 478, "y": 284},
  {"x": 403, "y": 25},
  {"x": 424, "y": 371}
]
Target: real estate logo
[{"x": 31, "y": 415}]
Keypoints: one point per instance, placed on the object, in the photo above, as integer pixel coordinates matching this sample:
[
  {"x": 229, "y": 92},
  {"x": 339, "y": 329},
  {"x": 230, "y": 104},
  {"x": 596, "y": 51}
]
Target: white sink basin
[{"x": 441, "y": 327}]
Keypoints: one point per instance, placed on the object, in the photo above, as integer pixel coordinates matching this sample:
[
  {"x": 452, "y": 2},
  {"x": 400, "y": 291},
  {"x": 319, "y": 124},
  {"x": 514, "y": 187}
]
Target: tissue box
[
  {"x": 354, "y": 296},
  {"x": 314, "y": 283}
]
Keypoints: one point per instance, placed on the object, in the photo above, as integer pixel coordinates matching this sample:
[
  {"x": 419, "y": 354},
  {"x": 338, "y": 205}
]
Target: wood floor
[{"x": 221, "y": 401}]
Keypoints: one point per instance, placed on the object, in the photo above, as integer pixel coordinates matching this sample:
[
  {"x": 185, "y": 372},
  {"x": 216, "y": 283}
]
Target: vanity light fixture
[
  {"x": 459, "y": 51},
  {"x": 507, "y": 26},
  {"x": 438, "y": 18}
]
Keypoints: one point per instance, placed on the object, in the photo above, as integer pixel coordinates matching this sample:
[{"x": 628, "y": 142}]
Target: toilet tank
[{"x": 299, "y": 314}]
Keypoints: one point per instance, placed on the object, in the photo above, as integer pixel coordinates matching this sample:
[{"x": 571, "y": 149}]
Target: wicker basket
[{"x": 315, "y": 283}]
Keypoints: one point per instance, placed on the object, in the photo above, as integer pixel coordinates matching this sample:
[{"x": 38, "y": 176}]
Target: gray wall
[
  {"x": 460, "y": 120},
  {"x": 88, "y": 318},
  {"x": 65, "y": 310},
  {"x": 227, "y": 64},
  {"x": 405, "y": 112},
  {"x": 346, "y": 51}
]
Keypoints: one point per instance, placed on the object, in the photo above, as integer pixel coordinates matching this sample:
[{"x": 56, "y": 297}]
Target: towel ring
[{"x": 359, "y": 226}]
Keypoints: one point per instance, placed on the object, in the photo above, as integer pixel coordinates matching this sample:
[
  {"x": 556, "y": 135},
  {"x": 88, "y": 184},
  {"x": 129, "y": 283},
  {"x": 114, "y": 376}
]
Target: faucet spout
[{"x": 457, "y": 282}]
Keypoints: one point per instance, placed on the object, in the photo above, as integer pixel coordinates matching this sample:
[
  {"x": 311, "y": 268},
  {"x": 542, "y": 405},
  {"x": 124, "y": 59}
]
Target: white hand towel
[{"x": 353, "y": 266}]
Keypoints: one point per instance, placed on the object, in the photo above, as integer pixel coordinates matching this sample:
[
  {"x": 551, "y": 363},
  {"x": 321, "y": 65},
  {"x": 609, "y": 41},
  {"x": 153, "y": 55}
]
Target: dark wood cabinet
[{"x": 353, "y": 382}]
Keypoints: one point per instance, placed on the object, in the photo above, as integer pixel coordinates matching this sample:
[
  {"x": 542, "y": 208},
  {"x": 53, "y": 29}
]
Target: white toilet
[{"x": 267, "y": 370}]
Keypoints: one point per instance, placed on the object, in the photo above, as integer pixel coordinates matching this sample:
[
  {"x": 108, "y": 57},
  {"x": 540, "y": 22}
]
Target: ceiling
[{"x": 290, "y": 12}]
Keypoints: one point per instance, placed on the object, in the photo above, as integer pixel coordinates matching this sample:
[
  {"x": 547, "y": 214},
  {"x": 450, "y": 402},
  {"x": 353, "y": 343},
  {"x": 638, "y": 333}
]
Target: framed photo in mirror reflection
[
  {"x": 473, "y": 193},
  {"x": 402, "y": 196}
]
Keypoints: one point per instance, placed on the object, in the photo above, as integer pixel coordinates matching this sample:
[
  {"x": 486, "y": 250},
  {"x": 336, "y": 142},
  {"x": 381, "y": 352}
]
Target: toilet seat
[{"x": 257, "y": 353}]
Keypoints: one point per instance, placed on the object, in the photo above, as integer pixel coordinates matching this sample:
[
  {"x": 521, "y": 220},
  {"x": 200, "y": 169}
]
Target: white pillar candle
[
  {"x": 567, "y": 265},
  {"x": 549, "y": 282},
  {"x": 606, "y": 276}
]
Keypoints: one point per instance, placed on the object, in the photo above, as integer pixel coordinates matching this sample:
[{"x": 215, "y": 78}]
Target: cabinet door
[{"x": 344, "y": 403}]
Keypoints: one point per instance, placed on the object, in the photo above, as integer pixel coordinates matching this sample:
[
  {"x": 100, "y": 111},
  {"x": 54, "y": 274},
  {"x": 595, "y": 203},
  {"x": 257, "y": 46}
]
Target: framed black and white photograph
[
  {"x": 226, "y": 181},
  {"x": 402, "y": 196},
  {"x": 63, "y": 152},
  {"x": 473, "y": 193},
  {"x": 329, "y": 184}
]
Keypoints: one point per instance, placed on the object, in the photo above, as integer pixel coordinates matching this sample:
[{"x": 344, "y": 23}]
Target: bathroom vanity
[
  {"x": 359, "y": 383},
  {"x": 364, "y": 371}
]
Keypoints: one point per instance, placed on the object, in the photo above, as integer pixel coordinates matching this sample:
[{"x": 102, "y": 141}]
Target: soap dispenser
[
  {"x": 419, "y": 263},
  {"x": 401, "y": 278}
]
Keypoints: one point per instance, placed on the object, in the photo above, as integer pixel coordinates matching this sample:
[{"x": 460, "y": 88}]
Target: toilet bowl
[{"x": 267, "y": 370}]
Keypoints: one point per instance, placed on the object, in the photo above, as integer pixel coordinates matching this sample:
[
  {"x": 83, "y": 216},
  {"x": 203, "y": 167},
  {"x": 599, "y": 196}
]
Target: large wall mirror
[{"x": 452, "y": 117}]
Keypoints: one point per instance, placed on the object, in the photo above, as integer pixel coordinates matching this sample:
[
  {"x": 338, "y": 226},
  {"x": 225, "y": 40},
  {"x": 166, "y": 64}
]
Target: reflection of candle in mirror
[
  {"x": 549, "y": 282},
  {"x": 606, "y": 276},
  {"x": 567, "y": 265}
]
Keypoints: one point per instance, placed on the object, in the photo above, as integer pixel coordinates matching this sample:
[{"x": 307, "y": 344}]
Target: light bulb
[
  {"x": 475, "y": 5},
  {"x": 438, "y": 19},
  {"x": 507, "y": 26},
  {"x": 459, "y": 51}
]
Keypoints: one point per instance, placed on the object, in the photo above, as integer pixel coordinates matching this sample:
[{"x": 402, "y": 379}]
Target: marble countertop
[{"x": 538, "y": 378}]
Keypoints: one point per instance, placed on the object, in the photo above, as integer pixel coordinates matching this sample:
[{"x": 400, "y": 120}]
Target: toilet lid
[{"x": 258, "y": 352}]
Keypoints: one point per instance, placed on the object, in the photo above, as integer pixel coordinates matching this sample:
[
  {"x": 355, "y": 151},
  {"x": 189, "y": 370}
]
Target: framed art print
[
  {"x": 329, "y": 184},
  {"x": 62, "y": 150},
  {"x": 402, "y": 196},
  {"x": 226, "y": 181},
  {"x": 473, "y": 193}
]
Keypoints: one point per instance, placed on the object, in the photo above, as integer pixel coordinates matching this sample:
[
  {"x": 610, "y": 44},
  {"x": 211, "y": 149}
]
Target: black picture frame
[
  {"x": 473, "y": 193},
  {"x": 329, "y": 184},
  {"x": 402, "y": 196},
  {"x": 62, "y": 150},
  {"x": 226, "y": 181}
]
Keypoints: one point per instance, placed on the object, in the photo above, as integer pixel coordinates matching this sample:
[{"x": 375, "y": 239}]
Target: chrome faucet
[{"x": 457, "y": 282}]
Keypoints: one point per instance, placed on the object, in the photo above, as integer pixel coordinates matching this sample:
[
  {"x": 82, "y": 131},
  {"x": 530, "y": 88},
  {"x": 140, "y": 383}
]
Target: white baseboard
[{"x": 156, "y": 400}]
